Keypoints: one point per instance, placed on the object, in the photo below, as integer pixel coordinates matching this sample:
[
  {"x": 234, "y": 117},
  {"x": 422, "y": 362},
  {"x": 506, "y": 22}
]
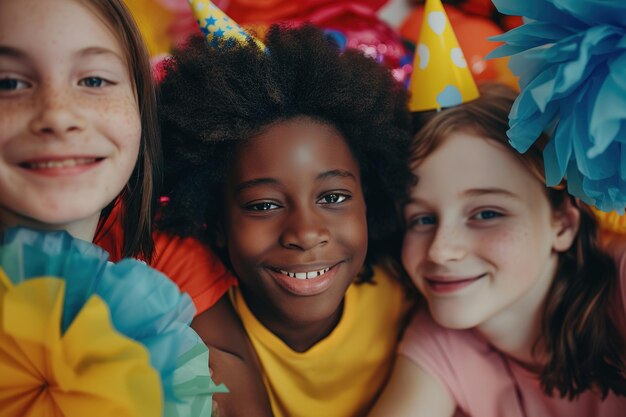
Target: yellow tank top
[{"x": 342, "y": 374}]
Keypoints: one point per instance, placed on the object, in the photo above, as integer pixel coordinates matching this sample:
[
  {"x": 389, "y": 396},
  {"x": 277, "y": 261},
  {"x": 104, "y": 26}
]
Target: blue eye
[
  {"x": 10, "y": 84},
  {"x": 333, "y": 198},
  {"x": 426, "y": 220},
  {"x": 487, "y": 215},
  {"x": 93, "y": 82},
  {"x": 263, "y": 206}
]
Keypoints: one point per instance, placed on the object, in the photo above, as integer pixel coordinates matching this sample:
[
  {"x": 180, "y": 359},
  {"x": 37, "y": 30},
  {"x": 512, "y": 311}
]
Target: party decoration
[
  {"x": 610, "y": 222},
  {"x": 358, "y": 27},
  {"x": 473, "y": 32},
  {"x": 440, "y": 77},
  {"x": 216, "y": 25},
  {"x": 253, "y": 12},
  {"x": 82, "y": 336},
  {"x": 121, "y": 383},
  {"x": 571, "y": 59},
  {"x": 154, "y": 21}
]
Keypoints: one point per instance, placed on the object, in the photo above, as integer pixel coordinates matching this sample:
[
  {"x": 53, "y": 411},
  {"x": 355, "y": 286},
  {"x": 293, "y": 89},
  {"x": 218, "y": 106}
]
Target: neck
[
  {"x": 517, "y": 330},
  {"x": 84, "y": 229},
  {"x": 299, "y": 336},
  {"x": 302, "y": 337}
]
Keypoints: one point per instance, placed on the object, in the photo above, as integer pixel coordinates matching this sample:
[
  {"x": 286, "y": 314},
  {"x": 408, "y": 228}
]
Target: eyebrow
[
  {"x": 12, "y": 52},
  {"x": 474, "y": 192},
  {"x": 478, "y": 192},
  {"x": 271, "y": 181},
  {"x": 341, "y": 173},
  {"x": 255, "y": 183},
  {"x": 95, "y": 50}
]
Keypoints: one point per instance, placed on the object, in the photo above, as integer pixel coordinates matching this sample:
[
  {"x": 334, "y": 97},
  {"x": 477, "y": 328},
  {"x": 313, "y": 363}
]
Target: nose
[
  {"x": 448, "y": 244},
  {"x": 56, "y": 113},
  {"x": 304, "y": 230}
]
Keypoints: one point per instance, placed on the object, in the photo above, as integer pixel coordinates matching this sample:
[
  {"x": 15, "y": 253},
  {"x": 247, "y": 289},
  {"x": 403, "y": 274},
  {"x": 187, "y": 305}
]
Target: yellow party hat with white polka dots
[
  {"x": 216, "y": 25},
  {"x": 440, "y": 76}
]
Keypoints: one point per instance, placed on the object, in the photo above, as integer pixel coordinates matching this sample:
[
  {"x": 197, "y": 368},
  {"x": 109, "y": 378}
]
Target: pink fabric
[{"x": 485, "y": 384}]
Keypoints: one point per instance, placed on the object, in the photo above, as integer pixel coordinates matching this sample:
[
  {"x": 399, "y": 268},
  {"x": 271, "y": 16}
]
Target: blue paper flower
[
  {"x": 571, "y": 60},
  {"x": 144, "y": 306}
]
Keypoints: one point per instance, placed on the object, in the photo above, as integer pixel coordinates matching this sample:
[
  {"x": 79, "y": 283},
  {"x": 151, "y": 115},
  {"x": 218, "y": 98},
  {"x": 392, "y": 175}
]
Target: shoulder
[
  {"x": 426, "y": 341},
  {"x": 452, "y": 356},
  {"x": 472, "y": 371},
  {"x": 193, "y": 267}
]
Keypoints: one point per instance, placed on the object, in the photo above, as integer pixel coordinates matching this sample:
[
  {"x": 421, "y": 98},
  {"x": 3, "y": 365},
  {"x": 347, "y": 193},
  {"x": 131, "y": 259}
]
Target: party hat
[
  {"x": 440, "y": 77},
  {"x": 215, "y": 24}
]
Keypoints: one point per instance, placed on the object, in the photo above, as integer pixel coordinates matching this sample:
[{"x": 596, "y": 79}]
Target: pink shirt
[{"x": 484, "y": 383}]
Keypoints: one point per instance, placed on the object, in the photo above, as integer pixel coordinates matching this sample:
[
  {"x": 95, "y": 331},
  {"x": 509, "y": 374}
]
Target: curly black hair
[{"x": 215, "y": 98}]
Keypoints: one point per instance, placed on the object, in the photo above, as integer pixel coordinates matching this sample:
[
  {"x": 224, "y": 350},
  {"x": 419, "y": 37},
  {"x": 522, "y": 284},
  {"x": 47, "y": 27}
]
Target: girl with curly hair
[{"x": 286, "y": 161}]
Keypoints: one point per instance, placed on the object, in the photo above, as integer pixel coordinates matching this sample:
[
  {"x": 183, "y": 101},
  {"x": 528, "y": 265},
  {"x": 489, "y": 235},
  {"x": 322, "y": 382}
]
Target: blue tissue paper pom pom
[{"x": 570, "y": 56}]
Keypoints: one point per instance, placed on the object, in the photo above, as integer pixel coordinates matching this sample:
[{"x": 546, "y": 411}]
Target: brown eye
[
  {"x": 333, "y": 198},
  {"x": 263, "y": 206}
]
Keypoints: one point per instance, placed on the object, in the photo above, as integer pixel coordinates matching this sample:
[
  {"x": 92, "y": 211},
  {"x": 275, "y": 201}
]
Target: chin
[
  {"x": 61, "y": 219},
  {"x": 455, "y": 320}
]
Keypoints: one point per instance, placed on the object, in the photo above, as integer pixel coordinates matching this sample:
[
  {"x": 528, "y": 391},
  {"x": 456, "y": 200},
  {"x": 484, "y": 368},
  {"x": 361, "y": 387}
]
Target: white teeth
[
  {"x": 66, "y": 163},
  {"x": 305, "y": 275}
]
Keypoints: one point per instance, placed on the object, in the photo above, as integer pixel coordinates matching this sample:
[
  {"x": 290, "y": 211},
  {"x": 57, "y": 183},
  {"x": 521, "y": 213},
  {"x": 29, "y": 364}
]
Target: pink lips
[
  {"x": 447, "y": 285},
  {"x": 305, "y": 287}
]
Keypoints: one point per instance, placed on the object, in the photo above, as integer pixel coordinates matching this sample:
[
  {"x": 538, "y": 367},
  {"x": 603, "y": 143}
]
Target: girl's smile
[
  {"x": 310, "y": 281},
  {"x": 295, "y": 225},
  {"x": 70, "y": 128},
  {"x": 442, "y": 284},
  {"x": 479, "y": 243},
  {"x": 60, "y": 165}
]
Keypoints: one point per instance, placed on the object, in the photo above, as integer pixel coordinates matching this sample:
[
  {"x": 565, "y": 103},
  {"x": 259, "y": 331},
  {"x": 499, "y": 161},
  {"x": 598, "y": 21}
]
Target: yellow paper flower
[{"x": 90, "y": 370}]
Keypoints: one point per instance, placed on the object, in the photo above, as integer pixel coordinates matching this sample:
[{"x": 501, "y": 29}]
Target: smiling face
[
  {"x": 482, "y": 240},
  {"x": 295, "y": 222},
  {"x": 69, "y": 123}
]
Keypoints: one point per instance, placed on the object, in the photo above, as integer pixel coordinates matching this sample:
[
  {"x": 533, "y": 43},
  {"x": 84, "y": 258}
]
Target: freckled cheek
[
  {"x": 121, "y": 117},
  {"x": 414, "y": 249},
  {"x": 506, "y": 248},
  {"x": 126, "y": 134},
  {"x": 14, "y": 119}
]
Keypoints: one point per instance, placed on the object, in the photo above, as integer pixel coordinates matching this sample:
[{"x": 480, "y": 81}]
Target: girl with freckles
[
  {"x": 525, "y": 314},
  {"x": 80, "y": 150},
  {"x": 77, "y": 120}
]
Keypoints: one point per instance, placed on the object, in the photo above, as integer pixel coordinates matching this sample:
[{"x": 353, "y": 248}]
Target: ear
[{"x": 566, "y": 223}]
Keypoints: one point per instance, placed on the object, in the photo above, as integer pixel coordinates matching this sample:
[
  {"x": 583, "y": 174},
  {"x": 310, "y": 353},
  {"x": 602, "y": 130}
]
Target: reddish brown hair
[
  {"x": 139, "y": 195},
  {"x": 584, "y": 348}
]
